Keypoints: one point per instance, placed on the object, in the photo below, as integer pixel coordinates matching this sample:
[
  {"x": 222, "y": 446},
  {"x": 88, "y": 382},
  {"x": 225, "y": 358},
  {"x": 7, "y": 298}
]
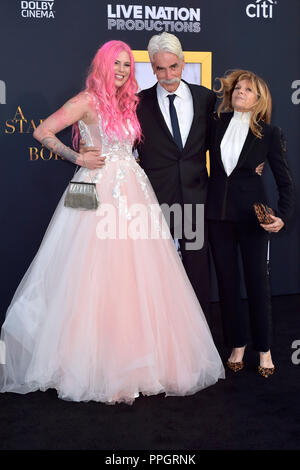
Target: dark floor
[{"x": 245, "y": 411}]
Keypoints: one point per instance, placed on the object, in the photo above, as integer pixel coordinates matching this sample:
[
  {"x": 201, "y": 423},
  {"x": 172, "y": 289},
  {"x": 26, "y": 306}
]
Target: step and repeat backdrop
[{"x": 46, "y": 48}]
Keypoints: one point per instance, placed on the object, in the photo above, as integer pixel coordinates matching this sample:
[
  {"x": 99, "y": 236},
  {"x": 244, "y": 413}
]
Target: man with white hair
[{"x": 174, "y": 116}]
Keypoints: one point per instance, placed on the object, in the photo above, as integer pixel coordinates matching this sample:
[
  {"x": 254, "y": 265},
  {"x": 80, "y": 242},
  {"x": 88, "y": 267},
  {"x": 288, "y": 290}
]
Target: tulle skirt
[{"x": 103, "y": 316}]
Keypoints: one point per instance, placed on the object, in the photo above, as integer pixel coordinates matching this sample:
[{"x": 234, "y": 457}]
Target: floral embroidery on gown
[{"x": 107, "y": 318}]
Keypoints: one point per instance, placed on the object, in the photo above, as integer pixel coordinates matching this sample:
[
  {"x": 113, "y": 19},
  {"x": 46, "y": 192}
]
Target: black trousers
[
  {"x": 225, "y": 238},
  {"x": 196, "y": 264}
]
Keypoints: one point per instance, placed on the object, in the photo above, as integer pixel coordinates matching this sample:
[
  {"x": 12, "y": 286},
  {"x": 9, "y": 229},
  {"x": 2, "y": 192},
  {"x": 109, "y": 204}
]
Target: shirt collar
[
  {"x": 242, "y": 117},
  {"x": 180, "y": 92}
]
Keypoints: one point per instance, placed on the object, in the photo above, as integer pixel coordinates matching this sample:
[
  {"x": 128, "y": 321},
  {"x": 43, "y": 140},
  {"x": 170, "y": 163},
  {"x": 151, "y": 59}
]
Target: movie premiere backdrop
[{"x": 46, "y": 48}]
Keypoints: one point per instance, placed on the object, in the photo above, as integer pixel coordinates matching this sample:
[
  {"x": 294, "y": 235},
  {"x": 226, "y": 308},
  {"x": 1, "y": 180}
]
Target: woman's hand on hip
[
  {"x": 259, "y": 168},
  {"x": 90, "y": 157}
]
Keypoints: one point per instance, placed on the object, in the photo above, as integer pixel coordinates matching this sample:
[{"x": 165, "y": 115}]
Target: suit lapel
[
  {"x": 196, "y": 110},
  {"x": 161, "y": 119},
  {"x": 220, "y": 131},
  {"x": 248, "y": 144},
  {"x": 157, "y": 112}
]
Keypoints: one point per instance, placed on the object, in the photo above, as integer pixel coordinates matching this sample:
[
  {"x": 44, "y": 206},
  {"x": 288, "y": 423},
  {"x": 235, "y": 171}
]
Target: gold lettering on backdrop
[
  {"x": 43, "y": 153},
  {"x": 9, "y": 126},
  {"x": 20, "y": 124},
  {"x": 19, "y": 113},
  {"x": 34, "y": 153},
  {"x": 31, "y": 127}
]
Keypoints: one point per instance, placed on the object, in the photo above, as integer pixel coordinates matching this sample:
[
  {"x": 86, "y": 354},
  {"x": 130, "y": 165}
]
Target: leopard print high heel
[
  {"x": 235, "y": 366},
  {"x": 266, "y": 371}
]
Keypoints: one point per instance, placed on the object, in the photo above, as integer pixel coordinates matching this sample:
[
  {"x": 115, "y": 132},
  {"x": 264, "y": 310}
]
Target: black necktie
[{"x": 174, "y": 122}]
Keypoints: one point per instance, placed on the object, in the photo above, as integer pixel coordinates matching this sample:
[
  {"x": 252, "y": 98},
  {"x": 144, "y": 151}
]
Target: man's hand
[
  {"x": 259, "y": 168},
  {"x": 90, "y": 157},
  {"x": 274, "y": 226}
]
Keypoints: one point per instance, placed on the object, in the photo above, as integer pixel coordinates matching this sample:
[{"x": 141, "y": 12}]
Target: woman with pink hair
[{"x": 105, "y": 311}]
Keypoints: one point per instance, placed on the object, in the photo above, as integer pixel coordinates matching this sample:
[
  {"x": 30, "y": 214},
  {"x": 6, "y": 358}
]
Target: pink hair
[{"x": 117, "y": 106}]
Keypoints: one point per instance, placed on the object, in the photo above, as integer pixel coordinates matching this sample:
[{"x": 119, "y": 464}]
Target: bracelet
[{"x": 84, "y": 161}]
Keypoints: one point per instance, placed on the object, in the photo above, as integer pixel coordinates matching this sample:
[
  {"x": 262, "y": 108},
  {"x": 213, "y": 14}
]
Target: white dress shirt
[
  {"x": 184, "y": 108},
  {"x": 234, "y": 139}
]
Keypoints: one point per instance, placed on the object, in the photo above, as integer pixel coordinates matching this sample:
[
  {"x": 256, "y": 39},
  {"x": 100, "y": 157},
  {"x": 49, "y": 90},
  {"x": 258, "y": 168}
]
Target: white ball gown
[{"x": 103, "y": 316}]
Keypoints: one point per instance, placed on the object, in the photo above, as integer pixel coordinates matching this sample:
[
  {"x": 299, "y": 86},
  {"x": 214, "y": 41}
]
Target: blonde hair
[
  {"x": 262, "y": 108},
  {"x": 164, "y": 42}
]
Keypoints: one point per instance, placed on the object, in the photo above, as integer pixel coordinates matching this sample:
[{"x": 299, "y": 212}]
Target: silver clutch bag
[{"x": 82, "y": 196}]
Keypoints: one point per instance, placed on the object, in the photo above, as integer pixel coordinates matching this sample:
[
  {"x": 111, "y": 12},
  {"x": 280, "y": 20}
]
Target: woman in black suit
[{"x": 240, "y": 141}]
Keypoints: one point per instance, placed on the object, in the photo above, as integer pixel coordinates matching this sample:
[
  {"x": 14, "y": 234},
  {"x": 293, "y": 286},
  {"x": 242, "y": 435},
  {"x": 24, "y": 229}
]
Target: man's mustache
[{"x": 171, "y": 81}]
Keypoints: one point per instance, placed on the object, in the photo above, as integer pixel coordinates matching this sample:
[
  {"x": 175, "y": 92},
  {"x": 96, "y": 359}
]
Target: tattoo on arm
[{"x": 56, "y": 146}]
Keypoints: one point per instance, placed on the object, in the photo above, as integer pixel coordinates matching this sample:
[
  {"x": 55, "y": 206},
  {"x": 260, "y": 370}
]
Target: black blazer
[
  {"x": 232, "y": 197},
  {"x": 176, "y": 176}
]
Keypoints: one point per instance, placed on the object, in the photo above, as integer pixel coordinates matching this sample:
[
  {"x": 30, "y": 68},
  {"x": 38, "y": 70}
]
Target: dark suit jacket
[
  {"x": 232, "y": 197},
  {"x": 176, "y": 176}
]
